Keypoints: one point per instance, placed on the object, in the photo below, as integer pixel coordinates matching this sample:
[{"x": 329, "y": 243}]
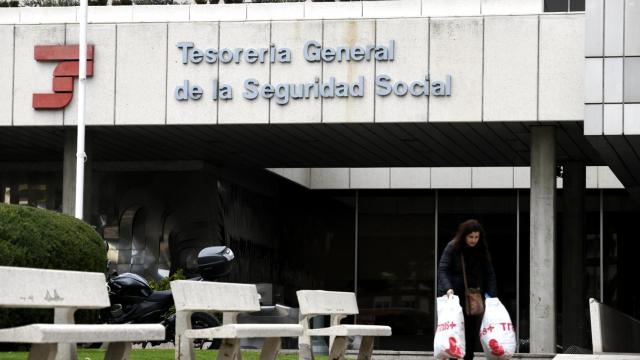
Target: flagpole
[{"x": 80, "y": 153}]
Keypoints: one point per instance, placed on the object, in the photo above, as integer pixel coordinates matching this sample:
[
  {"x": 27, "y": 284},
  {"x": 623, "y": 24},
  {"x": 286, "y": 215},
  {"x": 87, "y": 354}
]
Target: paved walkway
[{"x": 423, "y": 355}]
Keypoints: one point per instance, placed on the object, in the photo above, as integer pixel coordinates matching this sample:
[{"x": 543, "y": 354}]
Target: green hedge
[
  {"x": 45, "y": 239},
  {"x": 31, "y": 237}
]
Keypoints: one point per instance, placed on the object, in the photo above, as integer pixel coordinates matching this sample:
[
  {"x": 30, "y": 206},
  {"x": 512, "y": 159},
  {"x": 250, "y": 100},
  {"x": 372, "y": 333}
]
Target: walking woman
[{"x": 469, "y": 244}]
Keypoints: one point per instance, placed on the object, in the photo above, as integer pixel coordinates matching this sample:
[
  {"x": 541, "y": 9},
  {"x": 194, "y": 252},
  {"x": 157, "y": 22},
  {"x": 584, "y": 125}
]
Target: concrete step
[
  {"x": 608, "y": 356},
  {"x": 424, "y": 355}
]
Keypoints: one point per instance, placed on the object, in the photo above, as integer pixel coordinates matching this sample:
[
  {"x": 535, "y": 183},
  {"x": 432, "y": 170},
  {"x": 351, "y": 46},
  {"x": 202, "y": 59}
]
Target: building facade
[{"x": 337, "y": 146}]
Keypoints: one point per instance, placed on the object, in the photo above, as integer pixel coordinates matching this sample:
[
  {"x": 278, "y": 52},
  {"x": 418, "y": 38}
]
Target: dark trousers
[{"x": 471, "y": 333}]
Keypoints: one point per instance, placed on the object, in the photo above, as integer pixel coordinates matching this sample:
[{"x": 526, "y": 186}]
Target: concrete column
[
  {"x": 69, "y": 173},
  {"x": 542, "y": 305},
  {"x": 574, "y": 300}
]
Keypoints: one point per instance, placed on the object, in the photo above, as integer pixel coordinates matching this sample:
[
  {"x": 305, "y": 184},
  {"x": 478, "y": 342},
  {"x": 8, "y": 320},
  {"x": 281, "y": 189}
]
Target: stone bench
[
  {"x": 65, "y": 292},
  {"x": 230, "y": 300},
  {"x": 337, "y": 305},
  {"x": 613, "y": 331}
]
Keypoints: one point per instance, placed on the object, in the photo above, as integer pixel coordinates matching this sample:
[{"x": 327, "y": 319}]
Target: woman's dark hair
[{"x": 467, "y": 228}]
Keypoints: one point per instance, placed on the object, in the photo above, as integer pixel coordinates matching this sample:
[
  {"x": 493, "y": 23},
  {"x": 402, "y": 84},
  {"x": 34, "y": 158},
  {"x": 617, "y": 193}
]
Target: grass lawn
[{"x": 153, "y": 354}]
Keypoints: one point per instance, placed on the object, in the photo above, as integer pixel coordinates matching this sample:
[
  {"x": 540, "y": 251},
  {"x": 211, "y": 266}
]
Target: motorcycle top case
[
  {"x": 497, "y": 334},
  {"x": 449, "y": 341},
  {"x": 215, "y": 262}
]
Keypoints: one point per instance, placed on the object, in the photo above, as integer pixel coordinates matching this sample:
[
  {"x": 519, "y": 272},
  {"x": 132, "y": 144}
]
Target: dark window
[
  {"x": 42, "y": 190},
  {"x": 496, "y": 210},
  {"x": 577, "y": 5},
  {"x": 620, "y": 246},
  {"x": 557, "y": 5},
  {"x": 396, "y": 231},
  {"x": 523, "y": 330},
  {"x": 317, "y": 244}
]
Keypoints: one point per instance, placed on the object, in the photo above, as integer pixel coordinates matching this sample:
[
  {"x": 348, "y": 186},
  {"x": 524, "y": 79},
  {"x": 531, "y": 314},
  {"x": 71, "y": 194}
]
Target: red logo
[
  {"x": 496, "y": 348},
  {"x": 63, "y": 74},
  {"x": 454, "y": 350}
]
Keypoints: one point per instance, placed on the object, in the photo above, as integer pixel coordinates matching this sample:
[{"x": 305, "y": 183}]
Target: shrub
[
  {"x": 50, "y": 3},
  {"x": 31, "y": 237},
  {"x": 152, "y": 2},
  {"x": 45, "y": 239},
  {"x": 163, "y": 284}
]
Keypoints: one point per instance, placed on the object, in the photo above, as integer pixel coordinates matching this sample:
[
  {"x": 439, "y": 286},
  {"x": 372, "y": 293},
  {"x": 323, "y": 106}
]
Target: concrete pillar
[
  {"x": 574, "y": 300},
  {"x": 69, "y": 173},
  {"x": 542, "y": 305}
]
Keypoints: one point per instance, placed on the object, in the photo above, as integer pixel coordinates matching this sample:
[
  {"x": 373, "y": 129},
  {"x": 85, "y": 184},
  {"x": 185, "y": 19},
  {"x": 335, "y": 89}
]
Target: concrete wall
[
  {"x": 612, "y": 84},
  {"x": 597, "y": 177},
  {"x": 612, "y": 67},
  {"x": 138, "y": 64},
  {"x": 270, "y": 11}
]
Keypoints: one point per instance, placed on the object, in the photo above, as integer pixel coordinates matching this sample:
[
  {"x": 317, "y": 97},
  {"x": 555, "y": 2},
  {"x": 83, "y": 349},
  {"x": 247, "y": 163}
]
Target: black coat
[{"x": 479, "y": 272}]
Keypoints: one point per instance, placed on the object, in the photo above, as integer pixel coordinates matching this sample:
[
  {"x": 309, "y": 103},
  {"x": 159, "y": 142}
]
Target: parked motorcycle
[{"x": 133, "y": 300}]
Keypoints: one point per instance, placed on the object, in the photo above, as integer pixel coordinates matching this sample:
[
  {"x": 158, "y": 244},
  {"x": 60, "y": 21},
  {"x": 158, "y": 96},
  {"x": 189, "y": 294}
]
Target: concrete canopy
[{"x": 306, "y": 145}]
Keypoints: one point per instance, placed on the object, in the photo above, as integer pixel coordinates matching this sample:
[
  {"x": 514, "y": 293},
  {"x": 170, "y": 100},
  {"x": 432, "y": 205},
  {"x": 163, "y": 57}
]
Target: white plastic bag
[
  {"x": 449, "y": 340},
  {"x": 497, "y": 335}
]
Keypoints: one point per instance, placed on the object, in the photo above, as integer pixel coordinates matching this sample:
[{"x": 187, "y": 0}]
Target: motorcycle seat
[{"x": 161, "y": 296}]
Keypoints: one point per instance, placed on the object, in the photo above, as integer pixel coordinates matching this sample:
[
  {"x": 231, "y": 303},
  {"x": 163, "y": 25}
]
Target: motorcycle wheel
[
  {"x": 199, "y": 320},
  {"x": 202, "y": 320}
]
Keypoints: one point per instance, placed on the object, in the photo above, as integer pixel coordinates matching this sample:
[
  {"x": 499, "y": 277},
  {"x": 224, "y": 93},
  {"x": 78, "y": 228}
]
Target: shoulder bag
[{"x": 473, "y": 296}]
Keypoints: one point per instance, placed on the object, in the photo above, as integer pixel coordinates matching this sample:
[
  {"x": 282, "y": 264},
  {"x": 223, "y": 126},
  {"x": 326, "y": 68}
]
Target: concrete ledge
[
  {"x": 110, "y": 14},
  {"x": 10, "y": 16},
  {"x": 504, "y": 177},
  {"x": 369, "y": 178},
  {"x": 492, "y": 177},
  {"x": 450, "y": 7},
  {"x": 410, "y": 178},
  {"x": 48, "y": 15},
  {"x": 275, "y": 11},
  {"x": 300, "y": 176},
  {"x": 230, "y": 12},
  {"x": 522, "y": 177},
  {"x": 272, "y": 11},
  {"x": 331, "y": 10},
  {"x": 330, "y": 178},
  {"x": 390, "y": 9},
  {"x": 160, "y": 13},
  {"x": 510, "y": 7},
  {"x": 451, "y": 178},
  {"x": 607, "y": 179}
]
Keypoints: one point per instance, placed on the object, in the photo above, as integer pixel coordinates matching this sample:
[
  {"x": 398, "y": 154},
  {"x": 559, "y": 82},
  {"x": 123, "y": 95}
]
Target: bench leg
[
  {"x": 118, "y": 351},
  {"x": 305, "y": 350},
  {"x": 66, "y": 351},
  {"x": 270, "y": 348},
  {"x": 43, "y": 351},
  {"x": 338, "y": 348},
  {"x": 229, "y": 350},
  {"x": 366, "y": 348},
  {"x": 184, "y": 348},
  {"x": 184, "y": 345}
]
